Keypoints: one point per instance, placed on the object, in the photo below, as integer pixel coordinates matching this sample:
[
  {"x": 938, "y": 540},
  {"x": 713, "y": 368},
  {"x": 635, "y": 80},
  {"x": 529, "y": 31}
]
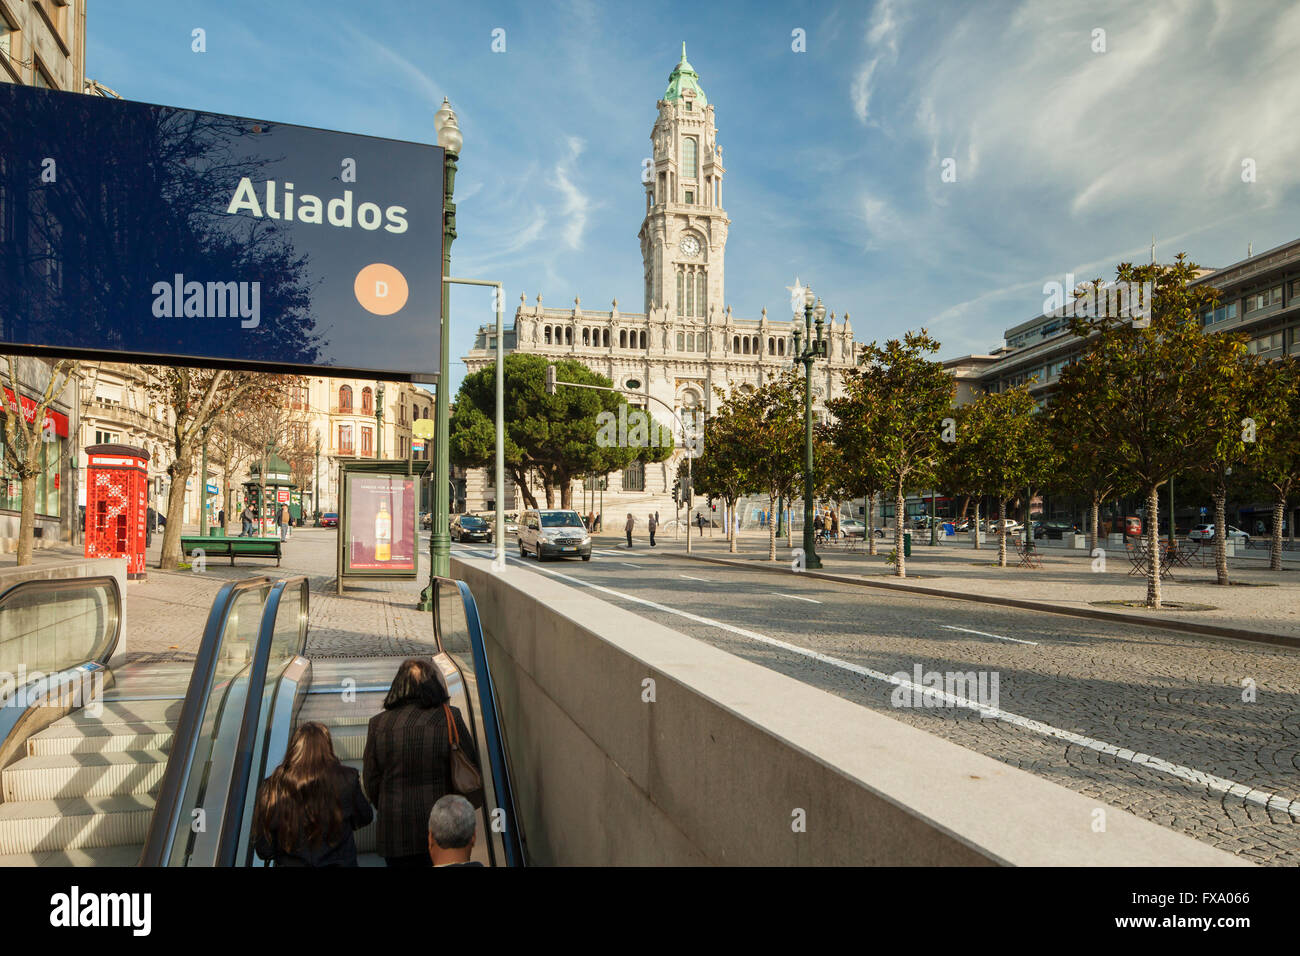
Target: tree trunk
[
  {"x": 900, "y": 565},
  {"x": 731, "y": 523},
  {"x": 521, "y": 482},
  {"x": 1002, "y": 532},
  {"x": 789, "y": 524},
  {"x": 171, "y": 543},
  {"x": 976, "y": 525},
  {"x": 771, "y": 527},
  {"x": 1275, "y": 547},
  {"x": 27, "y": 519},
  {"x": 1094, "y": 520},
  {"x": 566, "y": 493},
  {"x": 871, "y": 524},
  {"x": 1219, "y": 497},
  {"x": 548, "y": 490},
  {"x": 1153, "y": 547}
]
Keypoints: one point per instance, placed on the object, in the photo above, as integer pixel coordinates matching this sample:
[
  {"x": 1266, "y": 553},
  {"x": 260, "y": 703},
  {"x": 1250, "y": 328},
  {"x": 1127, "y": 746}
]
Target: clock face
[{"x": 690, "y": 246}]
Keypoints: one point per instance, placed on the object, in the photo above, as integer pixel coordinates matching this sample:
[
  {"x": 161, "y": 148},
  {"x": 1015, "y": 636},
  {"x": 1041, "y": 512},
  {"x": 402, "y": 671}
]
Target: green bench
[{"x": 232, "y": 547}]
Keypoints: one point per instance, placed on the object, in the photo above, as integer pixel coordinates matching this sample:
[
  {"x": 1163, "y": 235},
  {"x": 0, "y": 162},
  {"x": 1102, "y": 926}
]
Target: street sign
[{"x": 149, "y": 233}]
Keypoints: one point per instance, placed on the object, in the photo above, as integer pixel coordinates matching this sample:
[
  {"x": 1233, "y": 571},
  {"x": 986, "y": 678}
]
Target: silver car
[
  {"x": 553, "y": 532},
  {"x": 1205, "y": 532}
]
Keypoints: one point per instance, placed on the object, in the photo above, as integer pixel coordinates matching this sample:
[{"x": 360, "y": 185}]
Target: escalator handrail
[
  {"x": 70, "y": 584},
  {"x": 165, "y": 822},
  {"x": 495, "y": 740},
  {"x": 250, "y": 726}
]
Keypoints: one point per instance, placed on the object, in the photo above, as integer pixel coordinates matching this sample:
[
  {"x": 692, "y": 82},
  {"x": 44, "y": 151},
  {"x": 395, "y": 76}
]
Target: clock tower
[{"x": 684, "y": 234}]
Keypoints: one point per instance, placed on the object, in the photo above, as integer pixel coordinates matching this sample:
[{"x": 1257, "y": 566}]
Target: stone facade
[{"x": 685, "y": 342}]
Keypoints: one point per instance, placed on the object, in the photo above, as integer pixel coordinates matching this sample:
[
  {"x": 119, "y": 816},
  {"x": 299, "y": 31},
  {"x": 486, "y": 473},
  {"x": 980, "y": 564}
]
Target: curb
[{"x": 1210, "y": 630}]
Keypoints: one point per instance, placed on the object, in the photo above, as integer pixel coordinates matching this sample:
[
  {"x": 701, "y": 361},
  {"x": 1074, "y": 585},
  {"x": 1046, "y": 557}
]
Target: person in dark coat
[
  {"x": 654, "y": 526},
  {"x": 308, "y": 809},
  {"x": 406, "y": 764}
]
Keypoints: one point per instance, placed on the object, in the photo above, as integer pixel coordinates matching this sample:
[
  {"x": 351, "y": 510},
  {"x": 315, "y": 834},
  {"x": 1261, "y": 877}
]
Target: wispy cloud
[
  {"x": 576, "y": 204},
  {"x": 882, "y": 45}
]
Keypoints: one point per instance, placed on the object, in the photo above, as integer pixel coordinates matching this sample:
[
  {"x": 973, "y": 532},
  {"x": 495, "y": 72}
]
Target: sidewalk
[
  {"x": 166, "y": 612},
  {"x": 1260, "y": 601}
]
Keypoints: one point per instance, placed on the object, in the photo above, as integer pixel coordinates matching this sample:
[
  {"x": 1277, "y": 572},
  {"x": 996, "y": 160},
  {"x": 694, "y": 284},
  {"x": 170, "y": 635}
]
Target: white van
[{"x": 553, "y": 532}]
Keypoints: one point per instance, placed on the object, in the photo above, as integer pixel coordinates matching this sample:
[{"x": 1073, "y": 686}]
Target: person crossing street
[
  {"x": 654, "y": 524},
  {"x": 631, "y": 523}
]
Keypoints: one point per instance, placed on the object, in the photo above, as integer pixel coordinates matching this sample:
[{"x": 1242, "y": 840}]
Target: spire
[{"x": 684, "y": 77}]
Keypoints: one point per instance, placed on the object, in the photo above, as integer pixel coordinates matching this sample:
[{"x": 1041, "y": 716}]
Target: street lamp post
[
  {"x": 315, "y": 485},
  {"x": 379, "y": 420},
  {"x": 815, "y": 349},
  {"x": 203, "y": 490},
  {"x": 450, "y": 139}
]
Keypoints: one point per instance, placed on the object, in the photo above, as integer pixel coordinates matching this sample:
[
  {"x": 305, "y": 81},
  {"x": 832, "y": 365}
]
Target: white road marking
[
  {"x": 689, "y": 578},
  {"x": 1210, "y": 781},
  {"x": 797, "y": 597},
  {"x": 986, "y": 634},
  {"x": 630, "y": 564}
]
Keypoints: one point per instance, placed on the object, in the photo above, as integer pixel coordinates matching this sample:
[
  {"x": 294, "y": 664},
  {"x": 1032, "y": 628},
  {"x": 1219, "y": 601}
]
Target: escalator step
[
  {"x": 125, "y": 855},
  {"x": 36, "y": 826},
  {"x": 167, "y": 710},
  {"x": 98, "y": 738},
  {"x": 110, "y": 773}
]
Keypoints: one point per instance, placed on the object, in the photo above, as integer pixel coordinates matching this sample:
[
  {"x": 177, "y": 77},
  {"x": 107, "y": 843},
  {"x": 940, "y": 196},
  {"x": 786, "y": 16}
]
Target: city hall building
[{"x": 685, "y": 342}]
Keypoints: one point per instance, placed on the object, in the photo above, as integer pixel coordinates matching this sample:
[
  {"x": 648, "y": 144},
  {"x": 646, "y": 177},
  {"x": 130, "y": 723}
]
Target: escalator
[
  {"x": 159, "y": 763},
  {"x": 84, "y": 748},
  {"x": 233, "y": 735}
]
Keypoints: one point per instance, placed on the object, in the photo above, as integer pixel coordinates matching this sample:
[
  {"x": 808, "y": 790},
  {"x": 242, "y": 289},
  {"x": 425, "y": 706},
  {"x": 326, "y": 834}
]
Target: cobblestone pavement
[
  {"x": 1087, "y": 701},
  {"x": 167, "y": 611}
]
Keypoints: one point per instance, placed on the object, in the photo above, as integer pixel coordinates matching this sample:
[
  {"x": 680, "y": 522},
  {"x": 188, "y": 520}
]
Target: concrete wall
[
  {"x": 50, "y": 634},
  {"x": 718, "y": 769}
]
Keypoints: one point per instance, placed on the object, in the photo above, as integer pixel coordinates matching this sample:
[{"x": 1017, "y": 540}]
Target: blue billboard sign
[{"x": 180, "y": 237}]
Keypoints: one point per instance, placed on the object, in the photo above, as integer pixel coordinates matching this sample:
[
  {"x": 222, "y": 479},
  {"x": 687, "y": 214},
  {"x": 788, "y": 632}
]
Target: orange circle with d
[{"x": 381, "y": 289}]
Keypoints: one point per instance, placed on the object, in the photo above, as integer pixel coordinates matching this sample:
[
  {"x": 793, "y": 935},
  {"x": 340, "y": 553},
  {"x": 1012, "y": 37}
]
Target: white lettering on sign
[{"x": 338, "y": 212}]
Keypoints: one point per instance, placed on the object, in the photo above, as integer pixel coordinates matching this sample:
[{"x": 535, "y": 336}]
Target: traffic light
[{"x": 550, "y": 380}]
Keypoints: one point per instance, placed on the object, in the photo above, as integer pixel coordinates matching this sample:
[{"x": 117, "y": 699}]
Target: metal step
[
  {"x": 35, "y": 826},
  {"x": 164, "y": 710},
  {"x": 110, "y": 773},
  {"x": 126, "y": 855},
  {"x": 99, "y": 738}
]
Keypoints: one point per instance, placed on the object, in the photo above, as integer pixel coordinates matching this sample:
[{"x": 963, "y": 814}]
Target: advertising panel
[
  {"x": 149, "y": 232},
  {"x": 380, "y": 526}
]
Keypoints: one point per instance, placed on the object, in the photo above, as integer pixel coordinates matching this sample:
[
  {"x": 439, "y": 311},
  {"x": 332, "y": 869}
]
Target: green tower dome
[{"x": 684, "y": 77}]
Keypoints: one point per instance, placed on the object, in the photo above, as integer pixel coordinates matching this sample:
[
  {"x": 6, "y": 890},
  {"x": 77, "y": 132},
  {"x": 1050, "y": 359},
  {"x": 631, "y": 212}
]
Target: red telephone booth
[{"x": 117, "y": 499}]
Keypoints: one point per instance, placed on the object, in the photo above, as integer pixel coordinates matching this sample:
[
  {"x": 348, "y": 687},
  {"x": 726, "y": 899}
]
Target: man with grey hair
[{"x": 451, "y": 832}]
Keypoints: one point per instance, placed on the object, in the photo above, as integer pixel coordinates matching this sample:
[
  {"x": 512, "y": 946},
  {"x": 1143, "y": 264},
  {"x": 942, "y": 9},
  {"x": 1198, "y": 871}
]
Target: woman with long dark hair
[
  {"x": 308, "y": 808},
  {"x": 407, "y": 761}
]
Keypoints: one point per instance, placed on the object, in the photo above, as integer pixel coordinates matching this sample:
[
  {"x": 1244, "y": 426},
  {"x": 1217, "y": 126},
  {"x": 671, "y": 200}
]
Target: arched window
[
  {"x": 345, "y": 398},
  {"x": 771, "y": 345},
  {"x": 690, "y": 296},
  {"x": 604, "y": 338},
  {"x": 681, "y": 297},
  {"x": 699, "y": 341},
  {"x": 690, "y": 157},
  {"x": 568, "y": 335},
  {"x": 367, "y": 402},
  {"x": 546, "y": 335},
  {"x": 699, "y": 293},
  {"x": 586, "y": 336},
  {"x": 681, "y": 342},
  {"x": 735, "y": 343},
  {"x": 622, "y": 338},
  {"x": 747, "y": 341},
  {"x": 780, "y": 346},
  {"x": 642, "y": 340}
]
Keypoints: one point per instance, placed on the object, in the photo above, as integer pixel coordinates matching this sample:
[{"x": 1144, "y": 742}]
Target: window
[
  {"x": 604, "y": 338},
  {"x": 345, "y": 439},
  {"x": 699, "y": 341},
  {"x": 8, "y": 38},
  {"x": 643, "y": 342},
  {"x": 690, "y": 296},
  {"x": 546, "y": 335},
  {"x": 690, "y": 158},
  {"x": 568, "y": 335},
  {"x": 681, "y": 298},
  {"x": 367, "y": 401},
  {"x": 1222, "y": 314},
  {"x": 586, "y": 336},
  {"x": 367, "y": 441},
  {"x": 735, "y": 343},
  {"x": 699, "y": 293},
  {"x": 1264, "y": 300},
  {"x": 780, "y": 346},
  {"x": 106, "y": 438},
  {"x": 1265, "y": 343},
  {"x": 690, "y": 197},
  {"x": 634, "y": 477},
  {"x": 633, "y": 384},
  {"x": 345, "y": 401},
  {"x": 622, "y": 338},
  {"x": 681, "y": 342}
]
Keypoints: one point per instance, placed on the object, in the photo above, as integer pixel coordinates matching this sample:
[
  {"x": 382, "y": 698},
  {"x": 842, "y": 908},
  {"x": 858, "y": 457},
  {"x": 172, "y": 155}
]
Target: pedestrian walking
[
  {"x": 246, "y": 518},
  {"x": 591, "y": 520},
  {"x": 835, "y": 524},
  {"x": 699, "y": 521},
  {"x": 284, "y": 522},
  {"x": 221, "y": 520},
  {"x": 631, "y": 523},
  {"x": 654, "y": 524},
  {"x": 600, "y": 519}
]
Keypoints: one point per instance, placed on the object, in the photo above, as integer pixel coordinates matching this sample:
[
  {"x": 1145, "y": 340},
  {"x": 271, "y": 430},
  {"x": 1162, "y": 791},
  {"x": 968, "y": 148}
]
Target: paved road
[{"x": 1144, "y": 719}]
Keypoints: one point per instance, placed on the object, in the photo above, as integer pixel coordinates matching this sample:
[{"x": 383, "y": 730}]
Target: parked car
[
  {"x": 554, "y": 532},
  {"x": 852, "y": 528},
  {"x": 329, "y": 519},
  {"x": 1205, "y": 532},
  {"x": 1054, "y": 530},
  {"x": 470, "y": 528},
  {"x": 1010, "y": 525}
]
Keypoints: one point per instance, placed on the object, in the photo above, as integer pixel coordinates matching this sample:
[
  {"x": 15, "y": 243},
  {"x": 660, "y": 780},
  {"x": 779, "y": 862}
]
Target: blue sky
[{"x": 1067, "y": 159}]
